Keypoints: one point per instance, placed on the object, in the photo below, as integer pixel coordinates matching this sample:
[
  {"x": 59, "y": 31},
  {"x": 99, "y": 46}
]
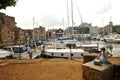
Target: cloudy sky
[{"x": 53, "y": 13}]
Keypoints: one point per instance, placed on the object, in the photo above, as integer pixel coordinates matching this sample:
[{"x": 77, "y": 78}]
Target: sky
[{"x": 53, "y": 13}]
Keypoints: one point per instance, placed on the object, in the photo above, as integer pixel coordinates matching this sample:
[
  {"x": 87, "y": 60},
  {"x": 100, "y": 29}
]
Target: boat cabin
[{"x": 16, "y": 49}]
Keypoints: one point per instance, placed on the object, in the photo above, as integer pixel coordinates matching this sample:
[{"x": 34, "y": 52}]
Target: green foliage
[
  {"x": 101, "y": 33},
  {"x": 7, "y": 3},
  {"x": 85, "y": 30}
]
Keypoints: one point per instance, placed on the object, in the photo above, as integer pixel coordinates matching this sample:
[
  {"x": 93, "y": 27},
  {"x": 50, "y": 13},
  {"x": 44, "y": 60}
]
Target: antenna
[
  {"x": 68, "y": 18},
  {"x": 103, "y": 25},
  {"x": 110, "y": 18},
  {"x": 63, "y": 22},
  {"x": 33, "y": 22},
  {"x": 72, "y": 12},
  {"x": 67, "y": 13},
  {"x": 72, "y": 16},
  {"x": 34, "y": 33}
]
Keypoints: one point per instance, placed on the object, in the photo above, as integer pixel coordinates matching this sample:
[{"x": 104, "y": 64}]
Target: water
[{"x": 116, "y": 47}]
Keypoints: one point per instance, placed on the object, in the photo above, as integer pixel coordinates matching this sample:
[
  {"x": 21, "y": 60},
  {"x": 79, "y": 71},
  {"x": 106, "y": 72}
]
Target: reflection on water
[{"x": 115, "y": 50}]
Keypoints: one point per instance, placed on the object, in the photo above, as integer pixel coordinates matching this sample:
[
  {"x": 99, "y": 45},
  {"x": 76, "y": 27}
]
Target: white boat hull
[
  {"x": 110, "y": 40},
  {"x": 4, "y": 53},
  {"x": 64, "y": 53}
]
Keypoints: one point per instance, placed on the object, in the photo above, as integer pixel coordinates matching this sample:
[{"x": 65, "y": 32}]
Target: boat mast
[
  {"x": 70, "y": 57},
  {"x": 79, "y": 11},
  {"x": 103, "y": 26},
  {"x": 72, "y": 16},
  {"x": 67, "y": 13},
  {"x": 34, "y": 34},
  {"x": 68, "y": 35}
]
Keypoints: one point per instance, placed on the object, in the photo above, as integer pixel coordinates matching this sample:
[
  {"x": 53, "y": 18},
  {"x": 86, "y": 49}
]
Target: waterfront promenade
[{"x": 44, "y": 69}]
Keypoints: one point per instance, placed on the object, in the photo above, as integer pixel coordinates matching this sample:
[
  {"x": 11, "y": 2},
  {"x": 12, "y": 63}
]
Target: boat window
[
  {"x": 62, "y": 54},
  {"x": 58, "y": 48},
  {"x": 19, "y": 49},
  {"x": 16, "y": 49},
  {"x": 52, "y": 53},
  {"x": 9, "y": 49}
]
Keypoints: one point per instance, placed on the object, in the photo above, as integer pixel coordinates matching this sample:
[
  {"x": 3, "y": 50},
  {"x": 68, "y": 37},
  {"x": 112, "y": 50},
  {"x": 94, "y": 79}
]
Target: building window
[{"x": 7, "y": 21}]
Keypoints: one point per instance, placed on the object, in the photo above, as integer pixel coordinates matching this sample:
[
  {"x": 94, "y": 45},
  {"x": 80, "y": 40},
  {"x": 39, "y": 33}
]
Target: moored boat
[
  {"x": 16, "y": 50},
  {"x": 91, "y": 48},
  {"x": 61, "y": 51},
  {"x": 5, "y": 54}
]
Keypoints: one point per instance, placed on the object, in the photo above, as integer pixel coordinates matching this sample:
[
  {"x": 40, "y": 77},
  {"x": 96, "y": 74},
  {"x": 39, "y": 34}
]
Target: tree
[
  {"x": 7, "y": 3},
  {"x": 86, "y": 30},
  {"x": 101, "y": 32}
]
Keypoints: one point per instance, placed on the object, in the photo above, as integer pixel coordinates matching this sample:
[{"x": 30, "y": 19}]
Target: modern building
[
  {"x": 116, "y": 29},
  {"x": 110, "y": 28},
  {"x": 78, "y": 32},
  {"x": 51, "y": 34},
  {"x": 59, "y": 33},
  {"x": 94, "y": 30}
]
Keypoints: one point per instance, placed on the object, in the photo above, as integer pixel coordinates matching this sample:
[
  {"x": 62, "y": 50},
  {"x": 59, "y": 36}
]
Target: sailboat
[
  {"x": 87, "y": 47},
  {"x": 67, "y": 48},
  {"x": 61, "y": 50}
]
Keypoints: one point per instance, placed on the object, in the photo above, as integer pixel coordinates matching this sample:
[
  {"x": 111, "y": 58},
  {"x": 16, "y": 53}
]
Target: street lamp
[{"x": 19, "y": 50}]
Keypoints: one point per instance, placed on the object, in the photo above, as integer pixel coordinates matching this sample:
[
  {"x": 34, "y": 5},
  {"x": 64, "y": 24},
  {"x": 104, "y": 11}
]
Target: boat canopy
[
  {"x": 19, "y": 49},
  {"x": 67, "y": 38}
]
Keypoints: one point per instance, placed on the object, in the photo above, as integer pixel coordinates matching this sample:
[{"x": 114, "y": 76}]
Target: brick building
[
  {"x": 7, "y": 26},
  {"x": 51, "y": 34},
  {"x": 28, "y": 36},
  {"x": 10, "y": 34},
  {"x": 19, "y": 36},
  {"x": 39, "y": 33}
]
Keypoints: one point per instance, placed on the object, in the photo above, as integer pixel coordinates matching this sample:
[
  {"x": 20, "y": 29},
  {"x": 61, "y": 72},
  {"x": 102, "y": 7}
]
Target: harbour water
[{"x": 116, "y": 47}]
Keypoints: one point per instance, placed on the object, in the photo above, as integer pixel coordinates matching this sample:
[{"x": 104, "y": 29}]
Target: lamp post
[
  {"x": 26, "y": 39},
  {"x": 19, "y": 49},
  {"x": 20, "y": 38},
  {"x": 70, "y": 57}
]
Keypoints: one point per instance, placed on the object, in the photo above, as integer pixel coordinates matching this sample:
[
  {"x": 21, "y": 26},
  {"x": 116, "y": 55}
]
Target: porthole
[
  {"x": 52, "y": 53},
  {"x": 72, "y": 55},
  {"x": 62, "y": 54},
  {"x": 81, "y": 54}
]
